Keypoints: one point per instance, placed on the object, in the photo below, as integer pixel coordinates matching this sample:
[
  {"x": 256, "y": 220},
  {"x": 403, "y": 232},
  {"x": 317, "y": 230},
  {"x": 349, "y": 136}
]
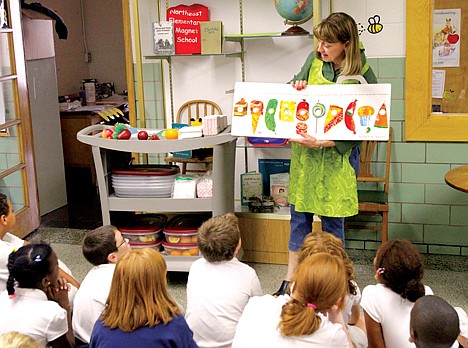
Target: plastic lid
[
  {"x": 139, "y": 230},
  {"x": 179, "y": 246},
  {"x": 154, "y": 169},
  {"x": 185, "y": 223},
  {"x": 143, "y": 223},
  {"x": 145, "y": 244}
]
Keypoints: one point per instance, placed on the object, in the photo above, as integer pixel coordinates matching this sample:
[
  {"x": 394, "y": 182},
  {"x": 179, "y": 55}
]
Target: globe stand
[{"x": 295, "y": 30}]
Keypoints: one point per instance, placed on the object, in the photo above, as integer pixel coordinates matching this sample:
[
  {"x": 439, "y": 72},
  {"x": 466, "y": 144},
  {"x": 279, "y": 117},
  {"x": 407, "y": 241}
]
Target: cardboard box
[
  {"x": 251, "y": 186},
  {"x": 211, "y": 34}
]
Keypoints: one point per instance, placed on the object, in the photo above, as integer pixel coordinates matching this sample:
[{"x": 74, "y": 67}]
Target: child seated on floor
[
  {"x": 399, "y": 270},
  {"x": 10, "y": 242},
  {"x": 434, "y": 323},
  {"x": 102, "y": 247},
  {"x": 219, "y": 285},
  {"x": 320, "y": 285},
  {"x": 317, "y": 242},
  {"x": 36, "y": 300}
]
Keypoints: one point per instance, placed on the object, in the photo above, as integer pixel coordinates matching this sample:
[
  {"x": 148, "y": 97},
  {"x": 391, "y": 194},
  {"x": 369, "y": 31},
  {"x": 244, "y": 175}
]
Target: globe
[{"x": 295, "y": 12}]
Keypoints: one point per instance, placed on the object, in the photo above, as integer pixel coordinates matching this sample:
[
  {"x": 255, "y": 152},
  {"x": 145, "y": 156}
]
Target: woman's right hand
[{"x": 299, "y": 84}]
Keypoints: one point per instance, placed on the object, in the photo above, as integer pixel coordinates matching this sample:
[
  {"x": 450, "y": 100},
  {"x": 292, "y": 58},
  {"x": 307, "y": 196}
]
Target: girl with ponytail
[
  {"x": 310, "y": 317},
  {"x": 399, "y": 270},
  {"x": 35, "y": 302}
]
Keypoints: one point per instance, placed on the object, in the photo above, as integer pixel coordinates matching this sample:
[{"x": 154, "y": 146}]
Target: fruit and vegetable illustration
[{"x": 335, "y": 112}]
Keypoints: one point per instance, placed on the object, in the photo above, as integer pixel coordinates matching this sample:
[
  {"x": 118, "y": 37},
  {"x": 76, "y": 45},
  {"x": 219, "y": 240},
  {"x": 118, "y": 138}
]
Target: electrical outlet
[{"x": 87, "y": 57}]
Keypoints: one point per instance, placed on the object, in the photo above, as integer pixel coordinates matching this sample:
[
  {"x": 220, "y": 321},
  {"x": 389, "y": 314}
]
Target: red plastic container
[
  {"x": 172, "y": 249},
  {"x": 144, "y": 228},
  {"x": 155, "y": 245},
  {"x": 182, "y": 229}
]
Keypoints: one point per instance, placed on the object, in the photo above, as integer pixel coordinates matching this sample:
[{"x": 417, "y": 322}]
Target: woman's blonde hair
[
  {"x": 15, "y": 339},
  {"x": 319, "y": 283},
  {"x": 341, "y": 27},
  {"x": 323, "y": 242},
  {"x": 138, "y": 296}
]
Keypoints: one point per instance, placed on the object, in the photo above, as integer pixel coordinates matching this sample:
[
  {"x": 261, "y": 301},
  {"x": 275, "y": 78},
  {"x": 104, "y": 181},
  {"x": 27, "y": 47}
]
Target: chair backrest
[
  {"x": 365, "y": 169},
  {"x": 196, "y": 109}
]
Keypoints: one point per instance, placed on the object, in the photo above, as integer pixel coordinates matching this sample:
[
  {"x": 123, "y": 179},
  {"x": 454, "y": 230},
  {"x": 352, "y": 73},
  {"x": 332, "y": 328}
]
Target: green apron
[{"x": 322, "y": 181}]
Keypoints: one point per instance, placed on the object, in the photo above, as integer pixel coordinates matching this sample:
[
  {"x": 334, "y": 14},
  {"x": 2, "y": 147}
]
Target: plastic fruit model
[
  {"x": 107, "y": 133},
  {"x": 124, "y": 134},
  {"x": 142, "y": 135},
  {"x": 172, "y": 134}
]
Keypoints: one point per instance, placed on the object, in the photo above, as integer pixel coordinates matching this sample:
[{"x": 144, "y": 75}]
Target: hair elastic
[
  {"x": 12, "y": 296},
  {"x": 381, "y": 270},
  {"x": 38, "y": 258},
  {"x": 312, "y": 305}
]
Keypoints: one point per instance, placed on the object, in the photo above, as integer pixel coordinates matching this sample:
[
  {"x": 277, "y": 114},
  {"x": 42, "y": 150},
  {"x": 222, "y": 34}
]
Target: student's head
[
  {"x": 138, "y": 296},
  {"x": 104, "y": 244},
  {"x": 323, "y": 242},
  {"x": 7, "y": 215},
  {"x": 434, "y": 323},
  {"x": 15, "y": 339},
  {"x": 338, "y": 42},
  {"x": 399, "y": 266},
  {"x": 33, "y": 266},
  {"x": 219, "y": 238},
  {"x": 319, "y": 283}
]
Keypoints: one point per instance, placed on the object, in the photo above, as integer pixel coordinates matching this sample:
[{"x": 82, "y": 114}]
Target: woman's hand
[{"x": 299, "y": 85}]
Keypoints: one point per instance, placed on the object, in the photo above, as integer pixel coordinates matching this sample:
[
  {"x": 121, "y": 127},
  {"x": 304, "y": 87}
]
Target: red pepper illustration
[{"x": 349, "y": 116}]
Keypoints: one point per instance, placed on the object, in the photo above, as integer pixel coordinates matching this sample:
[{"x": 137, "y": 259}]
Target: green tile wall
[{"x": 423, "y": 208}]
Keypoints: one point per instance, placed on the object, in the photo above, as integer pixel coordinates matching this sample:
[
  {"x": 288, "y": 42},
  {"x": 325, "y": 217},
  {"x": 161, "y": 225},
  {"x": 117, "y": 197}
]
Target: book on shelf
[
  {"x": 211, "y": 33},
  {"x": 279, "y": 188},
  {"x": 271, "y": 166},
  {"x": 251, "y": 186},
  {"x": 163, "y": 37}
]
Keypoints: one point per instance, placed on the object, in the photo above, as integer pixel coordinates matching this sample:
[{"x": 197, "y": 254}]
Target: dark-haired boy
[
  {"x": 102, "y": 247},
  {"x": 434, "y": 323},
  {"x": 219, "y": 285}
]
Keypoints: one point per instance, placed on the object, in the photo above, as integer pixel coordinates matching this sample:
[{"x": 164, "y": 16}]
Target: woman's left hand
[{"x": 307, "y": 141}]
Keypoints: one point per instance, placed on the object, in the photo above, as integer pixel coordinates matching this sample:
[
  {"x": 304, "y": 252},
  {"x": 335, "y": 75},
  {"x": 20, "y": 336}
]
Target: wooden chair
[
  {"x": 373, "y": 198},
  {"x": 191, "y": 111}
]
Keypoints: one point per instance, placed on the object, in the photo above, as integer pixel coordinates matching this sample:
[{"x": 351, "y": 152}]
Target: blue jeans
[{"x": 301, "y": 222}]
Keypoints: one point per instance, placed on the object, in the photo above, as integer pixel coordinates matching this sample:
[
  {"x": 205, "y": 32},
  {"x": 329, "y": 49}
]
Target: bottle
[{"x": 90, "y": 92}]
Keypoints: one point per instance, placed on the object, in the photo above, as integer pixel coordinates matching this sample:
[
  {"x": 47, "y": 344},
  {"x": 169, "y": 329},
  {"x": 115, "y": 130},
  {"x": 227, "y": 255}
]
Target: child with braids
[
  {"x": 320, "y": 286},
  {"x": 317, "y": 242},
  {"x": 36, "y": 300},
  {"x": 387, "y": 306}
]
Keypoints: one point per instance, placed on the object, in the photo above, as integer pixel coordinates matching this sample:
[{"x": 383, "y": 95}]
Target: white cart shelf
[{"x": 224, "y": 145}]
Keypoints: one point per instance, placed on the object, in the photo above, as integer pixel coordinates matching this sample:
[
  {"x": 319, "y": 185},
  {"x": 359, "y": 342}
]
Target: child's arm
[
  {"x": 374, "y": 332},
  {"x": 336, "y": 317},
  {"x": 59, "y": 293},
  {"x": 355, "y": 314}
]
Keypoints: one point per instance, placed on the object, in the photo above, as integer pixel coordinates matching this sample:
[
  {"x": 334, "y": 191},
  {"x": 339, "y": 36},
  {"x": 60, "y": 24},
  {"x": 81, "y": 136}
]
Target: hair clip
[
  {"x": 380, "y": 270},
  {"x": 12, "y": 296},
  {"x": 38, "y": 258},
  {"x": 312, "y": 305}
]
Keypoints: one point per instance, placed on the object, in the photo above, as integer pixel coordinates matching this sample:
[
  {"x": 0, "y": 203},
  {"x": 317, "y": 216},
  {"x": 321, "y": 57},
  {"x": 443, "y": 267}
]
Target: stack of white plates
[{"x": 143, "y": 183}]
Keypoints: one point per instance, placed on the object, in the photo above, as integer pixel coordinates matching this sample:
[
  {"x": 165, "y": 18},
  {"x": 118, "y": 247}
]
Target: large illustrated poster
[{"x": 327, "y": 112}]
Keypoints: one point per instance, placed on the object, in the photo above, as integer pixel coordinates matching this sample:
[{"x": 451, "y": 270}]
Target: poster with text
[
  {"x": 327, "y": 112},
  {"x": 446, "y": 38}
]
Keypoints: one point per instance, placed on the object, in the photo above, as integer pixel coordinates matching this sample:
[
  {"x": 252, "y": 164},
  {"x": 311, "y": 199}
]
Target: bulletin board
[{"x": 455, "y": 95}]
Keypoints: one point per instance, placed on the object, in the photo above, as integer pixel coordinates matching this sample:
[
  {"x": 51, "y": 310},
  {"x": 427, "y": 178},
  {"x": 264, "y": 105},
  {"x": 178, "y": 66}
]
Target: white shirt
[
  {"x": 90, "y": 300},
  {"x": 216, "y": 296},
  {"x": 8, "y": 243},
  {"x": 258, "y": 327},
  {"x": 32, "y": 314},
  {"x": 392, "y": 311},
  {"x": 351, "y": 301}
]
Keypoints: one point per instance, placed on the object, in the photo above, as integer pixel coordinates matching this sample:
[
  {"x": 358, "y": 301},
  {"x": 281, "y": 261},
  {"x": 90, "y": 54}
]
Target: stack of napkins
[
  {"x": 214, "y": 124},
  {"x": 190, "y": 132}
]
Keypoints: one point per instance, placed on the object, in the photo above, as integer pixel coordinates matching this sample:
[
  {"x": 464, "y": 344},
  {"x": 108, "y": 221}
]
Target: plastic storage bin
[
  {"x": 144, "y": 228},
  {"x": 172, "y": 249},
  {"x": 182, "y": 229},
  {"x": 156, "y": 245}
]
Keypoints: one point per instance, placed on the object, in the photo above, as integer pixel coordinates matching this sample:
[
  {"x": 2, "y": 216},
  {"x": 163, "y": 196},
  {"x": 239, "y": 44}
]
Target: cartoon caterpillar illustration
[{"x": 270, "y": 114}]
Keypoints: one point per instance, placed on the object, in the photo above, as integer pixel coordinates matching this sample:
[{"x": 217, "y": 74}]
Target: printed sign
[
  {"x": 327, "y": 112},
  {"x": 187, "y": 27}
]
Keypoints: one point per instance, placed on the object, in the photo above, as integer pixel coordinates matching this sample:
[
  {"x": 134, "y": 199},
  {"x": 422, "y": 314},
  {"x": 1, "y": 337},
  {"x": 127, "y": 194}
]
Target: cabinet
[{"x": 223, "y": 178}]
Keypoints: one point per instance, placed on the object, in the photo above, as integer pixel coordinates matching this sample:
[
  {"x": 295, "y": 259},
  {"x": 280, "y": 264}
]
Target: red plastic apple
[
  {"x": 124, "y": 134},
  {"x": 142, "y": 135},
  {"x": 107, "y": 133},
  {"x": 153, "y": 137},
  {"x": 453, "y": 38}
]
